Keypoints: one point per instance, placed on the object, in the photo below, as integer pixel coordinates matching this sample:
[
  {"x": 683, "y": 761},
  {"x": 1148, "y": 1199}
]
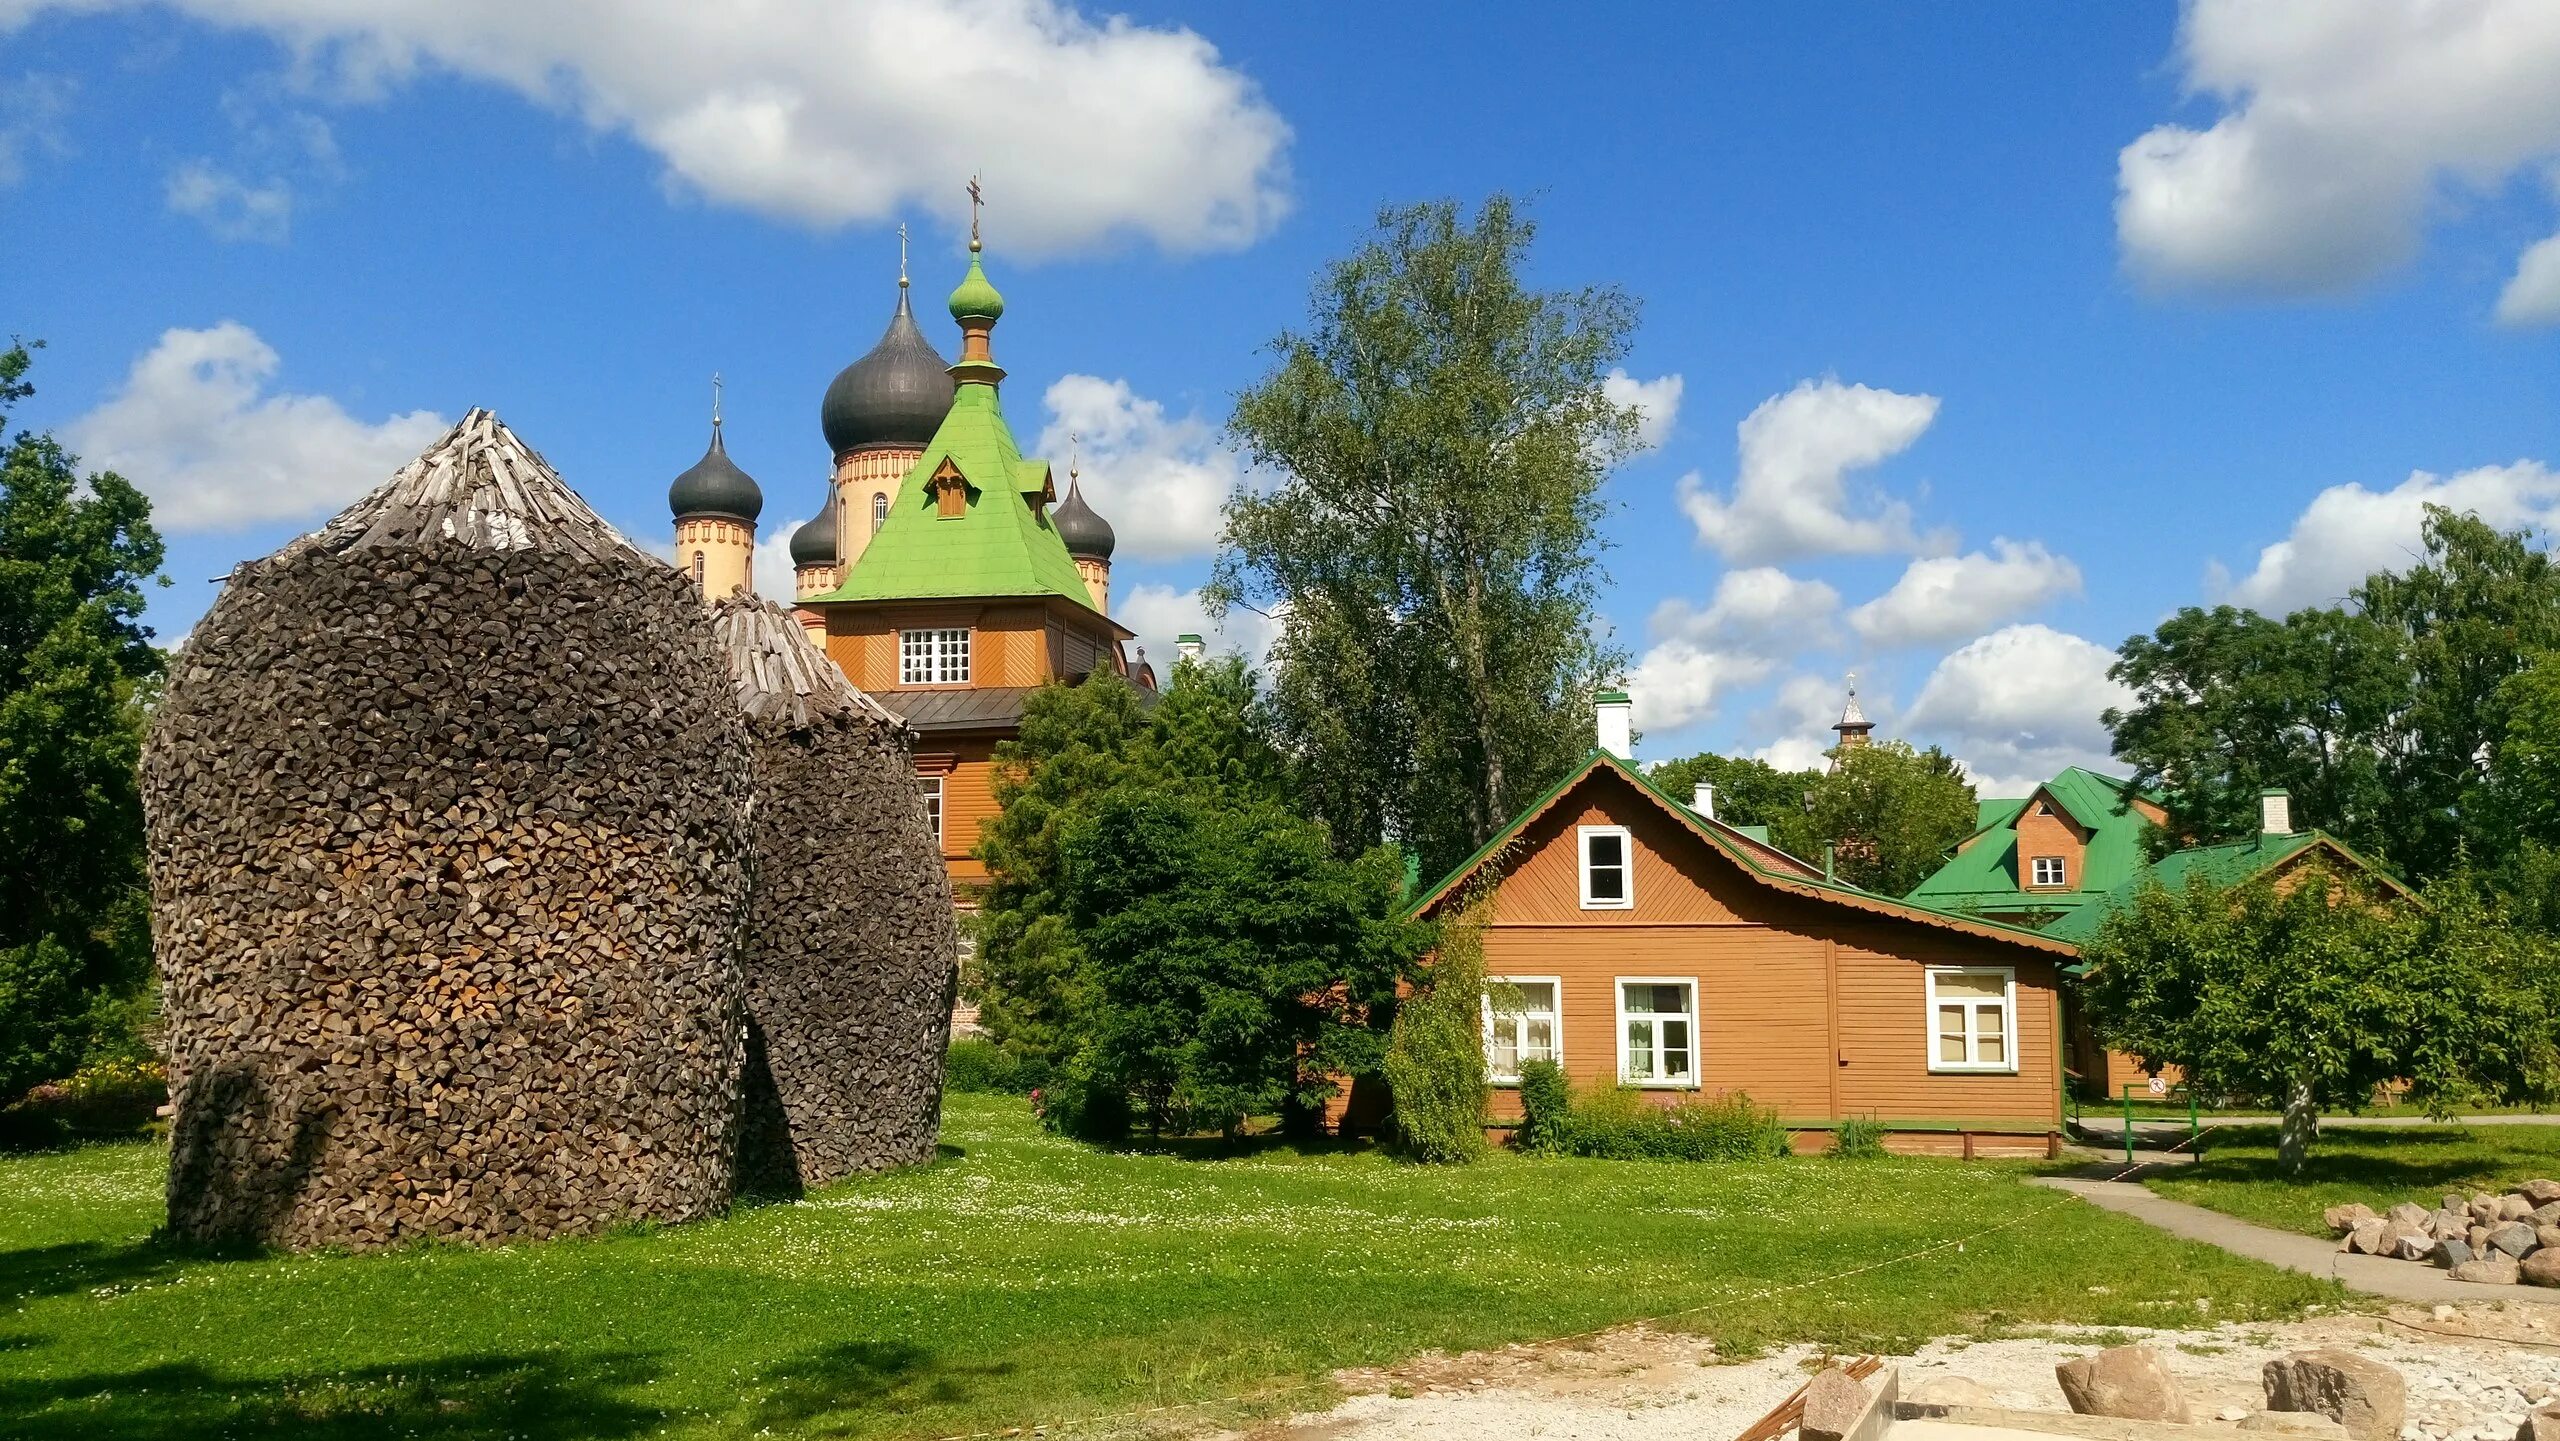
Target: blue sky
[{"x": 2053, "y": 319}]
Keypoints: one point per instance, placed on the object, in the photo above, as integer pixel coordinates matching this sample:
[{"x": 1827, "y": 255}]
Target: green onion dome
[
  {"x": 895, "y": 396},
  {"x": 715, "y": 486},
  {"x": 976, "y": 299}
]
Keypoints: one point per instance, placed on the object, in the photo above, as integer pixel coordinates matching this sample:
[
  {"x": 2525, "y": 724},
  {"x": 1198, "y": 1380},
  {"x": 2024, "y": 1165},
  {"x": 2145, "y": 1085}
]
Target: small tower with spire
[
  {"x": 716, "y": 506},
  {"x": 1088, "y": 536},
  {"x": 1853, "y": 725}
]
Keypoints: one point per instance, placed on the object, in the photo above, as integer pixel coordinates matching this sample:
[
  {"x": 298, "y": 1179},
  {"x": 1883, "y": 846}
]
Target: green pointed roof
[
  {"x": 1984, "y": 876},
  {"x": 998, "y": 545},
  {"x": 2224, "y": 867}
]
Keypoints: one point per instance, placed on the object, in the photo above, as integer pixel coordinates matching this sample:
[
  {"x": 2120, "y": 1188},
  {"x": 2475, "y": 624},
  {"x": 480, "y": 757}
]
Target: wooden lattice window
[{"x": 950, "y": 491}]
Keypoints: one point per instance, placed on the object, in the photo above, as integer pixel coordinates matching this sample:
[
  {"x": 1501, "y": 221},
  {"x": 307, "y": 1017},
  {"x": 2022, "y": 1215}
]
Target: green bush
[
  {"x": 1435, "y": 1053},
  {"x": 978, "y": 1065},
  {"x": 1859, "y": 1138},
  {"x": 1620, "y": 1124},
  {"x": 1076, "y": 1105},
  {"x": 1546, "y": 1105}
]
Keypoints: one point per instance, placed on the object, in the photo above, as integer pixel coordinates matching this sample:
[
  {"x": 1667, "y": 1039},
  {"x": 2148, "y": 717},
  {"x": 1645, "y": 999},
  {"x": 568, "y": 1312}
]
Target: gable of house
[
  {"x": 2227, "y": 866},
  {"x": 2086, "y": 828}
]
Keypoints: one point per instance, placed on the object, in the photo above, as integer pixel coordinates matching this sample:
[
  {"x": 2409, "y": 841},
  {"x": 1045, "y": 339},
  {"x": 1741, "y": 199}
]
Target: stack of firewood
[
  {"x": 448, "y": 810},
  {"x": 850, "y": 950}
]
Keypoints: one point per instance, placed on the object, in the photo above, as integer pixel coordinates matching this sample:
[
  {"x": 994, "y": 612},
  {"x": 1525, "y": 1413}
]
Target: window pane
[
  {"x": 1951, "y": 1049},
  {"x": 1536, "y": 995},
  {"x": 1541, "y": 1042},
  {"x": 1647, "y": 998},
  {"x": 1606, "y": 883},
  {"x": 1639, "y": 1050},
  {"x": 1675, "y": 1049},
  {"x": 1991, "y": 1050},
  {"x": 1990, "y": 1038},
  {"x": 1607, "y": 848},
  {"x": 1972, "y": 985}
]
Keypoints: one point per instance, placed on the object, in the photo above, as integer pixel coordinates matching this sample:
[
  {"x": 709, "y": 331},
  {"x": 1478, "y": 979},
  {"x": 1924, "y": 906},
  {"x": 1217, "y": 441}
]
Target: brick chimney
[
  {"x": 2275, "y": 812},
  {"x": 1614, "y": 718}
]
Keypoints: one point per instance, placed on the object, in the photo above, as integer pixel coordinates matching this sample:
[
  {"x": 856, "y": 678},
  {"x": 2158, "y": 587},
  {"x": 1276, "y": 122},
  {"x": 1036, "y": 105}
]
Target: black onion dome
[
  {"x": 715, "y": 486},
  {"x": 1085, "y": 533},
  {"x": 815, "y": 542},
  {"x": 896, "y": 395}
]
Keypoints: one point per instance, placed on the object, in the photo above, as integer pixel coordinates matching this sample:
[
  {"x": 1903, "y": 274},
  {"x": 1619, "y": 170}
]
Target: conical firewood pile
[
  {"x": 448, "y": 806},
  {"x": 850, "y": 951}
]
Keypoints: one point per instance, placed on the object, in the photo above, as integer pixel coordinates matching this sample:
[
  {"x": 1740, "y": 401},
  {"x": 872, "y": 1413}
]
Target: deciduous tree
[
  {"x": 1888, "y": 812},
  {"x": 1749, "y": 791},
  {"x": 1438, "y": 434}
]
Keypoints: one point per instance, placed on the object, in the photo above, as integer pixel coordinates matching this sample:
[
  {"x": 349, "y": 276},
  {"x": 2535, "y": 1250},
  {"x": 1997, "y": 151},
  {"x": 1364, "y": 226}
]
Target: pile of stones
[
  {"x": 2328, "y": 1392},
  {"x": 2501, "y": 1239}
]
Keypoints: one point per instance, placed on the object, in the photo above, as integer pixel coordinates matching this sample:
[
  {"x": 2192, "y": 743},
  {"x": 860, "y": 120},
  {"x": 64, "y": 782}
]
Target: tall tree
[
  {"x": 1749, "y": 791},
  {"x": 1888, "y": 812},
  {"x": 77, "y": 669},
  {"x": 1439, "y": 433}
]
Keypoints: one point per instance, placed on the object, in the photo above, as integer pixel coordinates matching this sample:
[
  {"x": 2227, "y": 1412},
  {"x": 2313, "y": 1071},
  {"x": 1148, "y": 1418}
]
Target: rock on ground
[
  {"x": 1833, "y": 1403},
  {"x": 2488, "y": 1272},
  {"x": 2130, "y": 1382},
  {"x": 2356, "y": 1391},
  {"x": 2293, "y": 1423}
]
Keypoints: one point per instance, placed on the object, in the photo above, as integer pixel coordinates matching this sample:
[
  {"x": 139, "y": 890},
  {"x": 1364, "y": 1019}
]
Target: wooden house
[{"x": 1639, "y": 942}]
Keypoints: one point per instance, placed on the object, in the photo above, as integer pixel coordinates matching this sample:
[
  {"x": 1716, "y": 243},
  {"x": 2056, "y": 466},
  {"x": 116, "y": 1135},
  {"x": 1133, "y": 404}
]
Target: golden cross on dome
[
  {"x": 715, "y": 400},
  {"x": 976, "y": 199},
  {"x": 1075, "y": 446},
  {"x": 902, "y": 253}
]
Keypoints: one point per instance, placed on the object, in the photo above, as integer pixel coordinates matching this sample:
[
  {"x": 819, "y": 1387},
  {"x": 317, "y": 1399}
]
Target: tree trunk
[{"x": 2301, "y": 1127}]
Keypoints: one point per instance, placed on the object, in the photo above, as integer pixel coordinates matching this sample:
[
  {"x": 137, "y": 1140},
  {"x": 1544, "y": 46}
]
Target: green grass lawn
[
  {"x": 2380, "y": 1167},
  {"x": 1023, "y": 1280}
]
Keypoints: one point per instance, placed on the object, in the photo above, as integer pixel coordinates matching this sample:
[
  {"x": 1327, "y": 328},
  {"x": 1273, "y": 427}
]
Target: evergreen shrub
[
  {"x": 1858, "y": 1138},
  {"x": 1546, "y": 1105},
  {"x": 1435, "y": 1052}
]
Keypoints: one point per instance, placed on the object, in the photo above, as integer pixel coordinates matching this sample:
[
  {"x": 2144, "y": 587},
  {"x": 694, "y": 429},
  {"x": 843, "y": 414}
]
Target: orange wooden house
[{"x": 1640, "y": 942}]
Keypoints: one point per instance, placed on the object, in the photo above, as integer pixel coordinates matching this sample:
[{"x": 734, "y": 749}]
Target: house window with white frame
[
  {"x": 1973, "y": 1019},
  {"x": 931, "y": 786},
  {"x": 1607, "y": 869},
  {"x": 933, "y": 657},
  {"x": 2048, "y": 870},
  {"x": 1521, "y": 1023},
  {"x": 1658, "y": 1032}
]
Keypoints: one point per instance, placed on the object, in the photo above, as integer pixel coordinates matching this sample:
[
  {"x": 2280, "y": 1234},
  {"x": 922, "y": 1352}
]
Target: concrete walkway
[{"x": 2399, "y": 1280}]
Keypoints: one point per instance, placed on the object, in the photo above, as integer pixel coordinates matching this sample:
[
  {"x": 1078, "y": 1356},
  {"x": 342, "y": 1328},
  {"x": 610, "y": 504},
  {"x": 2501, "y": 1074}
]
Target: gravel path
[{"x": 1639, "y": 1385}]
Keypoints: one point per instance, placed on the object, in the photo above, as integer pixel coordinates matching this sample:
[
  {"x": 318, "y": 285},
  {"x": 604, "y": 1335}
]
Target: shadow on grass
[
  {"x": 1221, "y": 1148},
  {"x": 2362, "y": 1158},
  {"x": 889, "y": 1377},
  {"x": 559, "y": 1398},
  {"x": 84, "y": 1266}
]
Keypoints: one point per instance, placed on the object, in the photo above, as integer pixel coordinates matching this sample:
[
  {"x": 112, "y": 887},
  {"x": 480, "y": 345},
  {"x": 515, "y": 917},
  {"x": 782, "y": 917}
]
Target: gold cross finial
[
  {"x": 1075, "y": 448},
  {"x": 715, "y": 400},
  {"x": 902, "y": 255},
  {"x": 976, "y": 199}
]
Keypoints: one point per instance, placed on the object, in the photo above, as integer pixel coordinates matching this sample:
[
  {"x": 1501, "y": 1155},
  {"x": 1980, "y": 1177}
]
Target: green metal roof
[
  {"x": 998, "y": 545},
  {"x": 1984, "y": 876},
  {"x": 2224, "y": 866}
]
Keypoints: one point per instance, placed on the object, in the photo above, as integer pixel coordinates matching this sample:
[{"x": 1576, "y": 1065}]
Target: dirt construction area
[{"x": 2472, "y": 1374}]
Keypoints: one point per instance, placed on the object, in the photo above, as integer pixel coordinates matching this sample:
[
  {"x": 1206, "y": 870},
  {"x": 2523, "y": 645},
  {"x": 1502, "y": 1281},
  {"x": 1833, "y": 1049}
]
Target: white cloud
[
  {"x": 1656, "y": 403},
  {"x": 1798, "y": 720},
  {"x": 193, "y": 428},
  {"x": 2349, "y": 532},
  {"x": 231, "y": 208},
  {"x": 2532, "y": 296},
  {"x": 1159, "y": 613},
  {"x": 1792, "y": 495},
  {"x": 2018, "y": 705},
  {"x": 31, "y": 111},
  {"x": 771, "y": 568},
  {"x": 830, "y": 112},
  {"x": 1702, "y": 653},
  {"x": 1941, "y": 597},
  {"x": 2340, "y": 123},
  {"x": 1160, "y": 480}
]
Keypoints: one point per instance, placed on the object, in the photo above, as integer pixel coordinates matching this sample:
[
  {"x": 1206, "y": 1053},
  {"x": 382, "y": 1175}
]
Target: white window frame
[
  {"x": 1555, "y": 1022},
  {"x": 1618, "y": 997},
  {"x": 1972, "y": 1030},
  {"x": 879, "y": 510},
  {"x": 2061, "y": 871},
  {"x": 933, "y": 797},
  {"x": 1626, "y": 867},
  {"x": 926, "y": 655}
]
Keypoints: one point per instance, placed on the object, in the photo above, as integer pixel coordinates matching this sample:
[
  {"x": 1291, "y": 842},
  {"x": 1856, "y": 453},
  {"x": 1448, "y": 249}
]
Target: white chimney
[
  {"x": 2275, "y": 812},
  {"x": 1703, "y": 801},
  {"x": 1614, "y": 717},
  {"x": 1188, "y": 647}
]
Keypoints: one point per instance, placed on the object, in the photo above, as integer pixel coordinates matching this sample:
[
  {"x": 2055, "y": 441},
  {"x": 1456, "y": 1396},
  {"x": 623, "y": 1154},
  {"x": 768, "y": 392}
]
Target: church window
[
  {"x": 933, "y": 657},
  {"x": 697, "y": 567},
  {"x": 879, "y": 511}
]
